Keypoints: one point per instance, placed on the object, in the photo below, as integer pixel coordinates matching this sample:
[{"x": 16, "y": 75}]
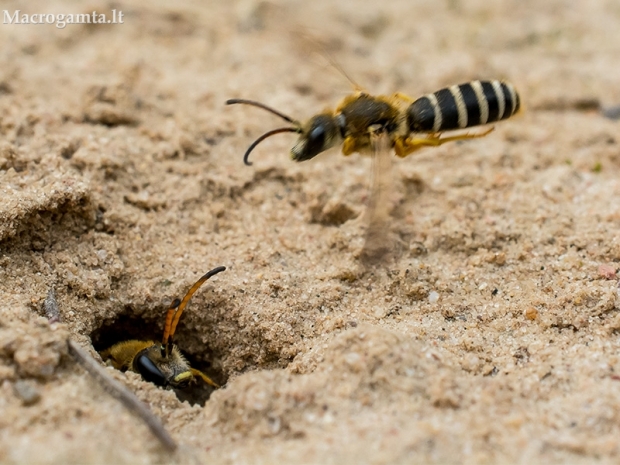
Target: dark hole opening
[{"x": 128, "y": 326}]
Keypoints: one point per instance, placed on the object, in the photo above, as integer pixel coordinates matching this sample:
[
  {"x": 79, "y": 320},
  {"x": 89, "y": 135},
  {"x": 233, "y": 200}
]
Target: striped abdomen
[{"x": 470, "y": 104}]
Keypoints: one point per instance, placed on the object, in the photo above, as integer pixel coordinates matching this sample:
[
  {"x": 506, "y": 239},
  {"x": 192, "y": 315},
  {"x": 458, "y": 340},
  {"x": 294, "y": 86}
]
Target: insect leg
[
  {"x": 204, "y": 377},
  {"x": 404, "y": 147},
  {"x": 349, "y": 146}
]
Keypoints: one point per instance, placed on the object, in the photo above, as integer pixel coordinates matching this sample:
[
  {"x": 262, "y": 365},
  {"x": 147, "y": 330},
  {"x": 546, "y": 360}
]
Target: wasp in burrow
[
  {"x": 376, "y": 124},
  {"x": 162, "y": 364}
]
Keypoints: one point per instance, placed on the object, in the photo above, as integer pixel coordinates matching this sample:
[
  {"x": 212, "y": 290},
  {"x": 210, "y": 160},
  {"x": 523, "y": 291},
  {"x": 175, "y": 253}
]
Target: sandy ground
[{"x": 492, "y": 338}]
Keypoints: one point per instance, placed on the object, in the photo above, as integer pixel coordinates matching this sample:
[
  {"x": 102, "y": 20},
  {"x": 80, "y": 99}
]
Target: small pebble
[
  {"x": 612, "y": 112},
  {"x": 433, "y": 297},
  {"x": 531, "y": 313},
  {"x": 607, "y": 271},
  {"x": 27, "y": 391}
]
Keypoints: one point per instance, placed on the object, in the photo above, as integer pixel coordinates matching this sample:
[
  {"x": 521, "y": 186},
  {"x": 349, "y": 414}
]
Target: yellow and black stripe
[{"x": 462, "y": 106}]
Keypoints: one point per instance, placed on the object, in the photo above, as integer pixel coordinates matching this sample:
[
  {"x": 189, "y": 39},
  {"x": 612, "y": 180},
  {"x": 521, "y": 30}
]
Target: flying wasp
[
  {"x": 361, "y": 115},
  {"x": 376, "y": 124},
  {"x": 162, "y": 364}
]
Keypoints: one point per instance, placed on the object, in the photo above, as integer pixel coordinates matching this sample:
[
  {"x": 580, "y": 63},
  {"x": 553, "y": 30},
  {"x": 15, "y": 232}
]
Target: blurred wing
[{"x": 378, "y": 246}]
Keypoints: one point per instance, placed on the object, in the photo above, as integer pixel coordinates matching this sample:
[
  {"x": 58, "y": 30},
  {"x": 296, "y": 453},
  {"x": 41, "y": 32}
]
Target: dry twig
[{"x": 113, "y": 387}]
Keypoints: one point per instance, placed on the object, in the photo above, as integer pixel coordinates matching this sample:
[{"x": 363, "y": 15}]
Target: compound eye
[
  {"x": 148, "y": 370},
  {"x": 316, "y": 141}
]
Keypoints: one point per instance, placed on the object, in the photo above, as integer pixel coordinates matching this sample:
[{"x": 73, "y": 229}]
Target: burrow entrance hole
[{"x": 127, "y": 326}]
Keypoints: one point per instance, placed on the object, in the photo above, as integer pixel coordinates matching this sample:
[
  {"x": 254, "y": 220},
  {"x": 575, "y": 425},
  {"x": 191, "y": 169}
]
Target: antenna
[{"x": 178, "y": 306}]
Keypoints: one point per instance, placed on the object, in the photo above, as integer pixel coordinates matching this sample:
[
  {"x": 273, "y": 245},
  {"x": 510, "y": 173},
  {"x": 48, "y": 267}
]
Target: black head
[
  {"x": 148, "y": 370},
  {"x": 163, "y": 368},
  {"x": 322, "y": 132},
  {"x": 316, "y": 136}
]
